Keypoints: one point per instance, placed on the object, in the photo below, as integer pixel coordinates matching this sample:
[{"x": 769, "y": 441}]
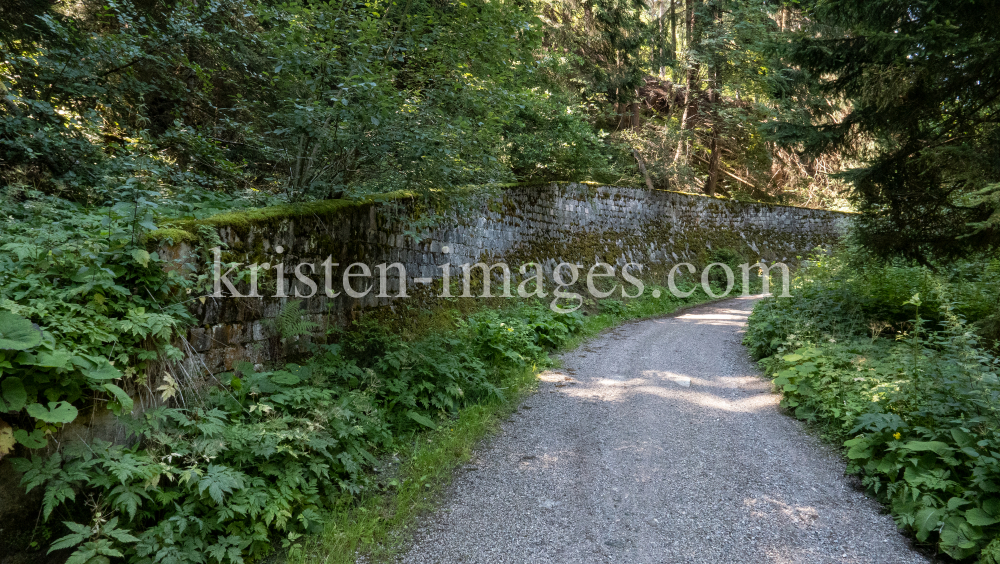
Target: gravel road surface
[{"x": 657, "y": 442}]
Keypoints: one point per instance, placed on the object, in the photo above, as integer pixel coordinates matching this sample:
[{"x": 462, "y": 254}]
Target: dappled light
[
  {"x": 654, "y": 443},
  {"x": 252, "y": 255},
  {"x": 726, "y": 317}
]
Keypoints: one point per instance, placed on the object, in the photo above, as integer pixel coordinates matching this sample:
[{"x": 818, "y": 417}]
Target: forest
[{"x": 119, "y": 118}]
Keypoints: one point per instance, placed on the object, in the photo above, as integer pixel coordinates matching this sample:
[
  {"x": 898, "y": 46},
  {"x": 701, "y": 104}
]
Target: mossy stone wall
[{"x": 544, "y": 224}]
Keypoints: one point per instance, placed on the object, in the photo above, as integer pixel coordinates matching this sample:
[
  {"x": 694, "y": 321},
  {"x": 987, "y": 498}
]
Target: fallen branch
[{"x": 729, "y": 174}]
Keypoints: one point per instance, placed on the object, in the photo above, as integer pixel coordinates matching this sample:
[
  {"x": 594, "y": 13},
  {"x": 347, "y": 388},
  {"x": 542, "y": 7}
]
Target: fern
[
  {"x": 264, "y": 461},
  {"x": 291, "y": 322}
]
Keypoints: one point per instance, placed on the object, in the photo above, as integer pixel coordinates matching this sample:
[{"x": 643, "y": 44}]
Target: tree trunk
[
  {"x": 689, "y": 22},
  {"x": 634, "y": 115},
  {"x": 642, "y": 169},
  {"x": 673, "y": 28},
  {"x": 660, "y": 37},
  {"x": 690, "y": 72},
  {"x": 713, "y": 163},
  {"x": 694, "y": 37},
  {"x": 714, "y": 97}
]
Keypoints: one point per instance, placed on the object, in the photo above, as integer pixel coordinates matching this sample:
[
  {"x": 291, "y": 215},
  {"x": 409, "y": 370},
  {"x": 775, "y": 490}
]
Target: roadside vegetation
[
  {"x": 898, "y": 364},
  {"x": 889, "y": 345}
]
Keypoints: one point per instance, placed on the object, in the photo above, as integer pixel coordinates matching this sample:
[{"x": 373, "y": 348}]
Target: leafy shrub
[
  {"x": 211, "y": 483},
  {"x": 499, "y": 343},
  {"x": 98, "y": 301},
  {"x": 916, "y": 404},
  {"x": 552, "y": 330},
  {"x": 267, "y": 456},
  {"x": 367, "y": 340}
]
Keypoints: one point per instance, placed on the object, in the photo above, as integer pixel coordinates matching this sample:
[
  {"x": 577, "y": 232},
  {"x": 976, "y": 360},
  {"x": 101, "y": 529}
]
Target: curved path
[{"x": 658, "y": 442}]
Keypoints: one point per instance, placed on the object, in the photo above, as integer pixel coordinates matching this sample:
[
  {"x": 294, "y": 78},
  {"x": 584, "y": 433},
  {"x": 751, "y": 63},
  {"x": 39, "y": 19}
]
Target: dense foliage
[
  {"x": 80, "y": 297},
  {"x": 889, "y": 361},
  {"x": 119, "y": 116},
  {"x": 273, "y": 452},
  {"x": 922, "y": 82},
  {"x": 298, "y": 100}
]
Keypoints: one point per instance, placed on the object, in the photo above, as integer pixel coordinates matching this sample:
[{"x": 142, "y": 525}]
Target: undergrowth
[{"x": 893, "y": 362}]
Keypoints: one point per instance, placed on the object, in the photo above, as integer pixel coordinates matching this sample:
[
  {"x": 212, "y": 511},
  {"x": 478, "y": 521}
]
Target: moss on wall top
[
  {"x": 170, "y": 235},
  {"x": 185, "y": 230}
]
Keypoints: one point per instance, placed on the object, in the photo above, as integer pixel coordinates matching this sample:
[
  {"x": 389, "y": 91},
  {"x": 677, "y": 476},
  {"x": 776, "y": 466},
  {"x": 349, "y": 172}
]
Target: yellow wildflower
[{"x": 897, "y": 436}]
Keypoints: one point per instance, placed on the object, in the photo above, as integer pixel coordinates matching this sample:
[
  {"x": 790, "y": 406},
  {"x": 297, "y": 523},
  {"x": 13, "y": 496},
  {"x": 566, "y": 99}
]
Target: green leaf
[
  {"x": 924, "y": 446},
  {"x": 104, "y": 371},
  {"x": 34, "y": 440},
  {"x": 55, "y": 359},
  {"x": 57, "y": 412},
  {"x": 17, "y": 333},
  {"x": 141, "y": 256},
  {"x": 285, "y": 378},
  {"x": 69, "y": 541},
  {"x": 124, "y": 402},
  {"x": 14, "y": 394},
  {"x": 980, "y": 518},
  {"x": 792, "y": 357},
  {"x": 806, "y": 368},
  {"x": 956, "y": 502},
  {"x": 858, "y": 448},
  {"x": 426, "y": 422},
  {"x": 962, "y": 438},
  {"x": 121, "y": 535},
  {"x": 783, "y": 377},
  {"x": 78, "y": 528},
  {"x": 87, "y": 554},
  {"x": 925, "y": 521},
  {"x": 958, "y": 538}
]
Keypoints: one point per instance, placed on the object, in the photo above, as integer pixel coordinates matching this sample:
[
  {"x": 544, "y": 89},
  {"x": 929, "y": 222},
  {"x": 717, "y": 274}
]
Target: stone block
[{"x": 200, "y": 339}]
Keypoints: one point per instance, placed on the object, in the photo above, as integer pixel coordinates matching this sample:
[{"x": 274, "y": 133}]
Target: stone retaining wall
[{"x": 544, "y": 224}]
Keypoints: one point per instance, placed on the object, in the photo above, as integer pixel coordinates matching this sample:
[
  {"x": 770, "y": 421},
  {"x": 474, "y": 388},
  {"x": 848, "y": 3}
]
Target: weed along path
[{"x": 657, "y": 442}]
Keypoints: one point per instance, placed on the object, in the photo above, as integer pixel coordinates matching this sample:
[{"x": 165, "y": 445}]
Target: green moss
[
  {"x": 170, "y": 235},
  {"x": 184, "y": 230},
  {"x": 275, "y": 214}
]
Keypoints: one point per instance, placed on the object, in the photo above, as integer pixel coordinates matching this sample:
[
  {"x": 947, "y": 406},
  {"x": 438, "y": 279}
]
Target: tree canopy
[{"x": 921, "y": 84}]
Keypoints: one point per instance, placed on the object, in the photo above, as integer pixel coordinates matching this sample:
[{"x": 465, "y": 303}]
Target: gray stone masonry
[{"x": 545, "y": 224}]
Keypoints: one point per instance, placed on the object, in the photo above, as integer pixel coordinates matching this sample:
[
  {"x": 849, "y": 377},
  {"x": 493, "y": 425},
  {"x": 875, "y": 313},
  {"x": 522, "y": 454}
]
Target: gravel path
[{"x": 657, "y": 442}]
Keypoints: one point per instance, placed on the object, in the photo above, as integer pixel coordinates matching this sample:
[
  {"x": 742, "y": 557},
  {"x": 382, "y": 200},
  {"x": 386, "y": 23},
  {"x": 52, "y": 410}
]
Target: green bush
[
  {"x": 916, "y": 404},
  {"x": 264, "y": 458},
  {"x": 79, "y": 298}
]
